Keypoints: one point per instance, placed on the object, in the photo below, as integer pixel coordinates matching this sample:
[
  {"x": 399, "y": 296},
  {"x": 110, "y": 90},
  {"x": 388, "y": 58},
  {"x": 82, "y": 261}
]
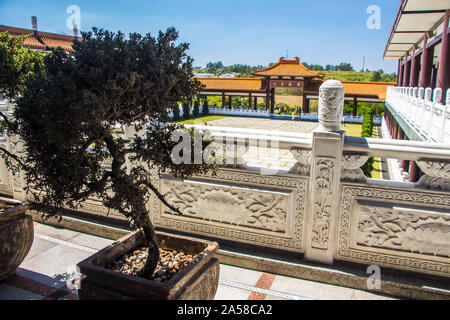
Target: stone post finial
[
  {"x": 437, "y": 95},
  {"x": 331, "y": 105}
]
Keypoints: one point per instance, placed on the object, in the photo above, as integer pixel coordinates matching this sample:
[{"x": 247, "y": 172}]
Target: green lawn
[{"x": 201, "y": 120}]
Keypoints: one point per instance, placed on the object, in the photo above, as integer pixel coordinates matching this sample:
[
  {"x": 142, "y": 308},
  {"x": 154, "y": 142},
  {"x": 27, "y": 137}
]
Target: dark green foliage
[
  {"x": 196, "y": 109},
  {"x": 205, "y": 110},
  {"x": 367, "y": 132},
  {"x": 186, "y": 109},
  {"x": 16, "y": 63},
  {"x": 70, "y": 119},
  {"x": 176, "y": 112}
]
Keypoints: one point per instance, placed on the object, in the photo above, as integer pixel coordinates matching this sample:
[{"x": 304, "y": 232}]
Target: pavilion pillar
[
  {"x": 414, "y": 78},
  {"x": 305, "y": 104},
  {"x": 250, "y": 101},
  {"x": 223, "y": 99},
  {"x": 399, "y": 70},
  {"x": 267, "y": 93},
  {"x": 255, "y": 103},
  {"x": 355, "y": 106},
  {"x": 230, "y": 101},
  {"x": 443, "y": 80},
  {"x": 406, "y": 73},
  {"x": 272, "y": 100},
  {"x": 427, "y": 64}
]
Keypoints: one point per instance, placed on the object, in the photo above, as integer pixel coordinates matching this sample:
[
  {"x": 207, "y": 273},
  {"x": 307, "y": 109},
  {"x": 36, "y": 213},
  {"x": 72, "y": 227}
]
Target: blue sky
[{"x": 245, "y": 31}]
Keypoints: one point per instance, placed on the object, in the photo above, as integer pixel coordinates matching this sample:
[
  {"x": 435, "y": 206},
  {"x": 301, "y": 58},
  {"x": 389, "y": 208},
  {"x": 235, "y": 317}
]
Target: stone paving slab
[
  {"x": 267, "y": 124},
  {"x": 44, "y": 276}
]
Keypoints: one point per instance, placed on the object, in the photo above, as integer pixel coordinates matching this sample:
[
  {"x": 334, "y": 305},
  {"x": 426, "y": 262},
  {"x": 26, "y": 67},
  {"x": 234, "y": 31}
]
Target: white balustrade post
[
  {"x": 437, "y": 109},
  {"x": 428, "y": 106},
  {"x": 323, "y": 202}
]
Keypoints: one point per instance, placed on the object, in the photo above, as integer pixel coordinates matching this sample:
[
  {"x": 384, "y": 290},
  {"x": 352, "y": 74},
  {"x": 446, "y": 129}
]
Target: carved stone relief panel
[
  {"x": 405, "y": 229},
  {"x": 238, "y": 206},
  {"x": 323, "y": 197},
  {"x": 437, "y": 175},
  {"x": 228, "y": 205}
]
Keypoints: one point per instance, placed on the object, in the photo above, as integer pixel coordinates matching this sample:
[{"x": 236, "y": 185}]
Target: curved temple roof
[
  {"x": 287, "y": 68},
  {"x": 372, "y": 90}
]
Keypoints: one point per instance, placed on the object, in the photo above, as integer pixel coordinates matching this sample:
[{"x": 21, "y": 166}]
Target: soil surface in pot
[{"x": 170, "y": 262}]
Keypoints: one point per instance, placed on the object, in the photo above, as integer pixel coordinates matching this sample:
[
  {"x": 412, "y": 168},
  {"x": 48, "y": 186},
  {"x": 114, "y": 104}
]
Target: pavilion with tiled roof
[{"x": 289, "y": 74}]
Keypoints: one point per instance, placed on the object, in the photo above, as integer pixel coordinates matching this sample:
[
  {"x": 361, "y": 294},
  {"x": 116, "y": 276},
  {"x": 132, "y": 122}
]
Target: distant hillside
[{"x": 359, "y": 76}]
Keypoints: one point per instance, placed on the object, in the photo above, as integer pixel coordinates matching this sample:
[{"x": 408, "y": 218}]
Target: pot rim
[{"x": 170, "y": 286}]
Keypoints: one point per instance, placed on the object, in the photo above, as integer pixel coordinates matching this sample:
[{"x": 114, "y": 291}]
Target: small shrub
[
  {"x": 196, "y": 110},
  {"x": 186, "y": 110},
  {"x": 205, "y": 108},
  {"x": 176, "y": 113}
]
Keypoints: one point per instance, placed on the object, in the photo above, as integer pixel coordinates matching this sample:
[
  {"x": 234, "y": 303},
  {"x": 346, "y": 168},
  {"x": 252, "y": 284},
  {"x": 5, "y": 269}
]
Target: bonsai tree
[
  {"x": 205, "y": 110},
  {"x": 69, "y": 114}
]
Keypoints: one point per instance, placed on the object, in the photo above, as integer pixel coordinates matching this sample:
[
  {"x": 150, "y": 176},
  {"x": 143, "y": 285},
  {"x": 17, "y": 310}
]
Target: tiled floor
[
  {"x": 49, "y": 267},
  {"x": 267, "y": 124}
]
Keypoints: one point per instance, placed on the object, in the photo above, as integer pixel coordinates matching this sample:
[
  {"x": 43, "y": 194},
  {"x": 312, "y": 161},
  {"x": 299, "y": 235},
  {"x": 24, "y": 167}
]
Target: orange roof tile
[
  {"x": 288, "y": 68},
  {"x": 43, "y": 41},
  {"x": 376, "y": 90},
  {"x": 232, "y": 84},
  {"x": 53, "y": 43}
]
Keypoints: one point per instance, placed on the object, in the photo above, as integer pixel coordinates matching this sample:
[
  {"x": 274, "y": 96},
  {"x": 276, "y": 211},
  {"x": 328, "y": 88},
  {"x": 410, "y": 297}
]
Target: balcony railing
[
  {"x": 424, "y": 110},
  {"x": 324, "y": 209}
]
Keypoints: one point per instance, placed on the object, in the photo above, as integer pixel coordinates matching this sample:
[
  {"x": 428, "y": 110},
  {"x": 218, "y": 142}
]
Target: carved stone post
[
  {"x": 328, "y": 141},
  {"x": 15, "y": 146}
]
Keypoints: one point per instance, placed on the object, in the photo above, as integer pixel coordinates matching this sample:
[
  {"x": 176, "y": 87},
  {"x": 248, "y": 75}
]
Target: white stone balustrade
[
  {"x": 424, "y": 109},
  {"x": 325, "y": 210}
]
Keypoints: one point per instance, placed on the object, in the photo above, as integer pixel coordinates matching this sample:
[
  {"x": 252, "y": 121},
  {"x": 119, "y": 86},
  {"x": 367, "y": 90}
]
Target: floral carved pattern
[
  {"x": 322, "y": 203},
  {"x": 406, "y": 260},
  {"x": 291, "y": 239},
  {"x": 227, "y": 205},
  {"x": 402, "y": 230},
  {"x": 437, "y": 175}
]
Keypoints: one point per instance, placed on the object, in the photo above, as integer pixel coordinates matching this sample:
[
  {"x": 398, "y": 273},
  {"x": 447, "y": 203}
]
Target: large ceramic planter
[
  {"x": 16, "y": 238},
  {"x": 197, "y": 281}
]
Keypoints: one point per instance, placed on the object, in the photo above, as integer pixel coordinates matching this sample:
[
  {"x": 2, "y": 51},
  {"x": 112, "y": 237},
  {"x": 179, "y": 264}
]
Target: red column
[
  {"x": 355, "y": 106},
  {"x": 405, "y": 163},
  {"x": 406, "y": 73},
  {"x": 223, "y": 99},
  {"x": 250, "y": 101},
  {"x": 305, "y": 104},
  {"x": 414, "y": 78},
  {"x": 400, "y": 74},
  {"x": 414, "y": 172},
  {"x": 427, "y": 64},
  {"x": 444, "y": 63}
]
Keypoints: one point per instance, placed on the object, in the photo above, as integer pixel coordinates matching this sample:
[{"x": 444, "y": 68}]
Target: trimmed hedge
[
  {"x": 205, "y": 108},
  {"x": 186, "y": 110},
  {"x": 367, "y": 132},
  {"x": 196, "y": 109},
  {"x": 176, "y": 113}
]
